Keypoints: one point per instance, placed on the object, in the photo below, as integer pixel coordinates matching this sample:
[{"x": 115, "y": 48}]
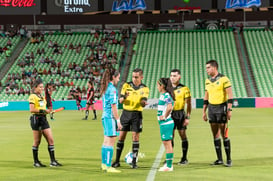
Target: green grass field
[{"x": 78, "y": 144}]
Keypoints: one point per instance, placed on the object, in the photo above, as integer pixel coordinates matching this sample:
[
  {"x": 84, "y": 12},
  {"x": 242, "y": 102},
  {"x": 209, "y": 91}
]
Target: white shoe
[
  {"x": 165, "y": 169},
  {"x": 103, "y": 167}
]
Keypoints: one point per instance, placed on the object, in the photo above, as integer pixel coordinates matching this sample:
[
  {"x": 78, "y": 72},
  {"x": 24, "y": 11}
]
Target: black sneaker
[
  {"x": 183, "y": 162},
  {"x": 134, "y": 166},
  {"x": 229, "y": 163},
  {"x": 38, "y": 164},
  {"x": 116, "y": 164},
  {"x": 218, "y": 162},
  {"x": 55, "y": 164}
]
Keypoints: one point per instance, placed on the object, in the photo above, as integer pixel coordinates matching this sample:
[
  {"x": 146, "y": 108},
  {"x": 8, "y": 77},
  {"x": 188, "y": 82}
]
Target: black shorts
[
  {"x": 179, "y": 118},
  {"x": 90, "y": 102},
  {"x": 48, "y": 102},
  {"x": 38, "y": 122},
  {"x": 131, "y": 121},
  {"x": 217, "y": 113}
]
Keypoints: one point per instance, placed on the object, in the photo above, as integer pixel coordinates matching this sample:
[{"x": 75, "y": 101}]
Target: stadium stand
[
  {"x": 22, "y": 73},
  {"x": 3, "y": 46},
  {"x": 159, "y": 52},
  {"x": 260, "y": 49}
]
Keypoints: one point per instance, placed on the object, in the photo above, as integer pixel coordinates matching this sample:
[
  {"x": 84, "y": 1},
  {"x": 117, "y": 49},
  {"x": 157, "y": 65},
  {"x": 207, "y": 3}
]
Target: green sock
[{"x": 169, "y": 159}]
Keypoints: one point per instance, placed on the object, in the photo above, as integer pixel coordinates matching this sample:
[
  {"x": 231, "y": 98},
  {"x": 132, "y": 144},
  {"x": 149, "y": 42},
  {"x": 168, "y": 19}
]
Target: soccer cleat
[
  {"x": 84, "y": 118},
  {"x": 218, "y": 162},
  {"x": 229, "y": 163},
  {"x": 116, "y": 164},
  {"x": 165, "y": 169},
  {"x": 94, "y": 118},
  {"x": 183, "y": 162},
  {"x": 112, "y": 170},
  {"x": 38, "y": 164},
  {"x": 55, "y": 164},
  {"x": 103, "y": 167},
  {"x": 134, "y": 166}
]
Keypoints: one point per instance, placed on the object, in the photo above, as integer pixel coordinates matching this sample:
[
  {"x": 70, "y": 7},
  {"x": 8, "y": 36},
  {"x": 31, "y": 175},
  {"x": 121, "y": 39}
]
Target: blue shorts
[{"x": 109, "y": 127}]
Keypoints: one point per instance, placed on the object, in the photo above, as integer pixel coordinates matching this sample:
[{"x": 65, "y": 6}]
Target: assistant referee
[{"x": 218, "y": 99}]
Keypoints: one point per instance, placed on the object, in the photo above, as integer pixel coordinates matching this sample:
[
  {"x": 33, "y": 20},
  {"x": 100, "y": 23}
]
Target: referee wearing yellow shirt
[
  {"x": 218, "y": 99},
  {"x": 134, "y": 97},
  {"x": 181, "y": 119},
  {"x": 39, "y": 124}
]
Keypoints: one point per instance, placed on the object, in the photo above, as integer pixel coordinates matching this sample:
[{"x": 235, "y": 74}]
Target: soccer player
[
  {"x": 48, "y": 92},
  {"x": 166, "y": 123},
  {"x": 90, "y": 101},
  {"x": 181, "y": 119},
  {"x": 218, "y": 99},
  {"x": 39, "y": 124},
  {"x": 78, "y": 97},
  {"x": 110, "y": 117},
  {"x": 134, "y": 97}
]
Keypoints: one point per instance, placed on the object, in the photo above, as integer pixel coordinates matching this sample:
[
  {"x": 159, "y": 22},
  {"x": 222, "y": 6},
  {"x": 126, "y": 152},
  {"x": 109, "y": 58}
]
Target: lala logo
[
  {"x": 132, "y": 5},
  {"x": 17, "y": 3}
]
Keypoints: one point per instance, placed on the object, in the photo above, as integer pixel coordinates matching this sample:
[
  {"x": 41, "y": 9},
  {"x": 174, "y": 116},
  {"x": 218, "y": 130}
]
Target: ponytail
[
  {"x": 167, "y": 84},
  {"x": 106, "y": 78}
]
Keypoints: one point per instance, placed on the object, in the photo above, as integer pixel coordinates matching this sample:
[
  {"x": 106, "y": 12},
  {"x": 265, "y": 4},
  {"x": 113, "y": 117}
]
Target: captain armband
[
  {"x": 230, "y": 101},
  {"x": 206, "y": 102}
]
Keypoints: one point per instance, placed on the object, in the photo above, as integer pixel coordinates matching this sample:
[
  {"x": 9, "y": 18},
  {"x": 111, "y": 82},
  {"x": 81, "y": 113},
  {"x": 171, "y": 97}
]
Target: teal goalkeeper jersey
[{"x": 163, "y": 102}]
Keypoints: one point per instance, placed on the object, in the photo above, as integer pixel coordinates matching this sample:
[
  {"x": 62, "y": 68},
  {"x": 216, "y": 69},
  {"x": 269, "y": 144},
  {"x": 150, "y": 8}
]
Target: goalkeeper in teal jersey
[{"x": 165, "y": 106}]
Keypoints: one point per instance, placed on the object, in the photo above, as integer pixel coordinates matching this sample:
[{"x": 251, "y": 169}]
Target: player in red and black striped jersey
[
  {"x": 78, "y": 97},
  {"x": 90, "y": 101}
]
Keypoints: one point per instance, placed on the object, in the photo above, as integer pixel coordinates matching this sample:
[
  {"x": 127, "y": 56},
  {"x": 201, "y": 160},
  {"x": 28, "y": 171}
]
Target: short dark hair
[
  {"x": 176, "y": 70},
  {"x": 138, "y": 70},
  {"x": 213, "y": 63}
]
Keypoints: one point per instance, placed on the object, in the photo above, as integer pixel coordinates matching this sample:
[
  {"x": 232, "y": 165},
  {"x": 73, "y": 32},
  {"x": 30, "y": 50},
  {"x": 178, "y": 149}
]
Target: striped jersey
[
  {"x": 163, "y": 102},
  {"x": 109, "y": 98}
]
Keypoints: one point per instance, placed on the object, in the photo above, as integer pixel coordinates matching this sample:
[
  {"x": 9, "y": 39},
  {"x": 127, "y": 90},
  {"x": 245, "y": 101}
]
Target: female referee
[
  {"x": 110, "y": 117},
  {"x": 39, "y": 124},
  {"x": 165, "y": 106}
]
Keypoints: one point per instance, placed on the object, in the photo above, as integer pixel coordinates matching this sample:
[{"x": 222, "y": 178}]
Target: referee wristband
[
  {"x": 206, "y": 102},
  {"x": 187, "y": 117},
  {"x": 230, "y": 101},
  {"x": 118, "y": 120}
]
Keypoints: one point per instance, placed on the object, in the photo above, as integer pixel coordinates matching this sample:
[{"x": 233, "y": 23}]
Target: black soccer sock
[
  {"x": 135, "y": 149},
  {"x": 51, "y": 152},
  {"x": 185, "y": 146},
  {"x": 95, "y": 114},
  {"x": 217, "y": 145},
  {"x": 227, "y": 148},
  {"x": 86, "y": 114},
  {"x": 172, "y": 143},
  {"x": 35, "y": 154},
  {"x": 120, "y": 146}
]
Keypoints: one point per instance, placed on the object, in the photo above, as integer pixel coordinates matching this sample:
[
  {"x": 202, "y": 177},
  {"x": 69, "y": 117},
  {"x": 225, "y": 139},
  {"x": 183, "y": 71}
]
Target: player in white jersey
[{"x": 165, "y": 106}]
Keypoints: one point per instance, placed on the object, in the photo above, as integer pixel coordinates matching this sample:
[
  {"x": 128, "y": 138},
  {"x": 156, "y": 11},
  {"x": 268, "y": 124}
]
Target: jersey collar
[{"x": 216, "y": 78}]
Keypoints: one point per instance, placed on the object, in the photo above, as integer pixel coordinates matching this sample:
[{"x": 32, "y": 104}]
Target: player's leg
[
  {"x": 94, "y": 111},
  {"x": 217, "y": 143},
  {"x": 125, "y": 122},
  {"x": 47, "y": 133},
  {"x": 184, "y": 145},
  {"x": 86, "y": 112},
  {"x": 226, "y": 142},
  {"x": 107, "y": 149},
  {"x": 35, "y": 147},
  {"x": 119, "y": 148},
  {"x": 135, "y": 148}
]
